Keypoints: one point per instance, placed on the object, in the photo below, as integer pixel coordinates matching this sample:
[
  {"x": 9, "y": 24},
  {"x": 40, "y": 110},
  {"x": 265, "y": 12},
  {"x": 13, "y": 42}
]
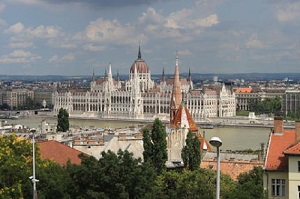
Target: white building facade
[{"x": 141, "y": 98}]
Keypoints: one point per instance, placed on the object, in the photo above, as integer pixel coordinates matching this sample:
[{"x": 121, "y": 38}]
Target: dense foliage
[
  {"x": 16, "y": 168},
  {"x": 118, "y": 176},
  {"x": 155, "y": 146},
  {"x": 113, "y": 176},
  {"x": 198, "y": 184},
  {"x": 268, "y": 106},
  {"x": 63, "y": 120},
  {"x": 250, "y": 185},
  {"x": 191, "y": 154}
]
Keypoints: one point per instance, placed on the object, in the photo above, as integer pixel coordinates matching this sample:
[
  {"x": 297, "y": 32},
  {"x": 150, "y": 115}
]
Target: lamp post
[
  {"x": 32, "y": 178},
  {"x": 217, "y": 142}
]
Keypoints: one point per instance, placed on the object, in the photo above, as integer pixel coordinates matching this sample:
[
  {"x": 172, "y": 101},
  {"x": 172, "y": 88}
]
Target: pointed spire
[
  {"x": 109, "y": 75},
  {"x": 139, "y": 54},
  {"x": 93, "y": 79},
  {"x": 190, "y": 80},
  {"x": 176, "y": 62},
  {"x": 118, "y": 76},
  {"x": 176, "y": 92},
  {"x": 190, "y": 75},
  {"x": 105, "y": 73},
  {"x": 163, "y": 78}
]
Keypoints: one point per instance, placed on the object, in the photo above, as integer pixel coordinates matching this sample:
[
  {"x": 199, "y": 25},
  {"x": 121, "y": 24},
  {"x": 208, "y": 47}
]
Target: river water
[{"x": 234, "y": 138}]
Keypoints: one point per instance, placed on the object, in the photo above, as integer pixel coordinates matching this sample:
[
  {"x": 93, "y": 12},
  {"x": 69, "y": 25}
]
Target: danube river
[{"x": 234, "y": 138}]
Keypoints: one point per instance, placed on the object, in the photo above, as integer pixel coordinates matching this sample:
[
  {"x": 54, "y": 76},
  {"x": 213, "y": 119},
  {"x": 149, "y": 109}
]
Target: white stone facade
[{"x": 141, "y": 98}]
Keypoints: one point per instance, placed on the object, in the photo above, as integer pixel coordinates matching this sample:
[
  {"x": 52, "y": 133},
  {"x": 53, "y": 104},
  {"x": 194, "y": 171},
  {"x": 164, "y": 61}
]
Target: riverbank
[{"x": 237, "y": 121}]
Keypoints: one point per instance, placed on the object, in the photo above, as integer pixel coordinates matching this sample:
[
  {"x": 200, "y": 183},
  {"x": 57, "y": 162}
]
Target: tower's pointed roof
[
  {"x": 176, "y": 92},
  {"x": 140, "y": 64},
  {"x": 139, "y": 54},
  {"x": 163, "y": 77},
  {"x": 183, "y": 119}
]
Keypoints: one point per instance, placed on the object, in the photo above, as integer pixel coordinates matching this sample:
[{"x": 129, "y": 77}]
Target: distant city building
[
  {"x": 15, "y": 97},
  {"x": 247, "y": 96},
  {"x": 41, "y": 95},
  {"x": 291, "y": 102},
  {"x": 141, "y": 98}
]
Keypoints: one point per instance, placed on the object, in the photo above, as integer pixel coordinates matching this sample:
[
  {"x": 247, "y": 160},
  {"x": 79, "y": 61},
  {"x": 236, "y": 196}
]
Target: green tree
[
  {"x": 63, "y": 120},
  {"x": 197, "y": 184},
  {"x": 15, "y": 164},
  {"x": 268, "y": 106},
  {"x": 250, "y": 185},
  {"x": 16, "y": 167},
  {"x": 190, "y": 153},
  {"x": 113, "y": 176},
  {"x": 54, "y": 181},
  {"x": 148, "y": 146},
  {"x": 155, "y": 146}
]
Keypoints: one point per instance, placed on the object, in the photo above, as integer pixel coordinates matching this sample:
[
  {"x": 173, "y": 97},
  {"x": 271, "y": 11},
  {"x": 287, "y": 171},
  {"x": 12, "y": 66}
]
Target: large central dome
[{"x": 140, "y": 65}]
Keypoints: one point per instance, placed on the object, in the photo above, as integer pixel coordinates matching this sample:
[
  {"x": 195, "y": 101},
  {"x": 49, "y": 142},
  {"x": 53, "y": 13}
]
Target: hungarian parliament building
[{"x": 140, "y": 98}]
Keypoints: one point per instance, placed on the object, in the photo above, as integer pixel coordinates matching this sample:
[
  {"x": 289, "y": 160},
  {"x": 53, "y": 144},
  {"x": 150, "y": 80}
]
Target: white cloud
[
  {"x": 16, "y": 28},
  {"x": 38, "y": 32},
  {"x": 110, "y": 31},
  {"x": 66, "y": 58},
  {"x": 185, "y": 52},
  {"x": 151, "y": 16},
  {"x": 91, "y": 47},
  {"x": 21, "y": 45},
  {"x": 288, "y": 12},
  {"x": 44, "y": 31},
  {"x": 184, "y": 24},
  {"x": 254, "y": 42},
  {"x": 19, "y": 56},
  {"x": 207, "y": 21}
]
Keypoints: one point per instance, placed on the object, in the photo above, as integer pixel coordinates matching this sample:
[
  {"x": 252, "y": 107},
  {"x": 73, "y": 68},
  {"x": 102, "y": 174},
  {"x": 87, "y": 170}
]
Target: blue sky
[{"x": 75, "y": 37}]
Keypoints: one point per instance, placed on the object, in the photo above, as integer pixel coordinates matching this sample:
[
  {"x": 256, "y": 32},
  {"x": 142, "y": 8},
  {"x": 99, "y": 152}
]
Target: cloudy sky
[{"x": 75, "y": 37}]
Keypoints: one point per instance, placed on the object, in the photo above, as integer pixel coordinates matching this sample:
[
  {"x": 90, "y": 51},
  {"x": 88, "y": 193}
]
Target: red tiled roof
[
  {"x": 59, "y": 152},
  {"x": 177, "y": 121},
  {"x": 293, "y": 150},
  {"x": 243, "y": 90},
  {"x": 233, "y": 169},
  {"x": 278, "y": 143}
]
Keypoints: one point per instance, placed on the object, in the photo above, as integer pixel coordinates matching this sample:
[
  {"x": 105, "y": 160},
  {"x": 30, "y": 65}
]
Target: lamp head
[
  {"x": 32, "y": 130},
  {"x": 215, "y": 141}
]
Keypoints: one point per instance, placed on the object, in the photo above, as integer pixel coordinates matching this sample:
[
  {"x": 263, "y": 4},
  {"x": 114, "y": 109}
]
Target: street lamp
[
  {"x": 217, "y": 142},
  {"x": 32, "y": 178}
]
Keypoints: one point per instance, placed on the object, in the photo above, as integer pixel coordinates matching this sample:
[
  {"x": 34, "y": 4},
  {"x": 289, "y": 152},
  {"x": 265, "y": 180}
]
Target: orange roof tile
[
  {"x": 243, "y": 90},
  {"x": 233, "y": 169},
  {"x": 183, "y": 118},
  {"x": 58, "y": 152},
  {"x": 293, "y": 150},
  {"x": 278, "y": 143}
]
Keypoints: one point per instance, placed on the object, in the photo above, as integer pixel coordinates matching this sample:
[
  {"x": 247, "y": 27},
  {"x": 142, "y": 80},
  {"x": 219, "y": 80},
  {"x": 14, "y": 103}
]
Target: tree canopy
[
  {"x": 155, "y": 146},
  {"x": 268, "y": 106},
  {"x": 112, "y": 176},
  {"x": 191, "y": 154},
  {"x": 63, "y": 120}
]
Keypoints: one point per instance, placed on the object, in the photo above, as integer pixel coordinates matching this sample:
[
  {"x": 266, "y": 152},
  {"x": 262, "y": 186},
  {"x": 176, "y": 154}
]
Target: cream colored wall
[
  {"x": 294, "y": 176},
  {"x": 175, "y": 143},
  {"x": 268, "y": 176}
]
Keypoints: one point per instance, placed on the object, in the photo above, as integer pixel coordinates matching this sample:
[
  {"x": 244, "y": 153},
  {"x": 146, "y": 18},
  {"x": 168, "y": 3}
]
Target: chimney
[
  {"x": 278, "y": 124},
  {"x": 297, "y": 131}
]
